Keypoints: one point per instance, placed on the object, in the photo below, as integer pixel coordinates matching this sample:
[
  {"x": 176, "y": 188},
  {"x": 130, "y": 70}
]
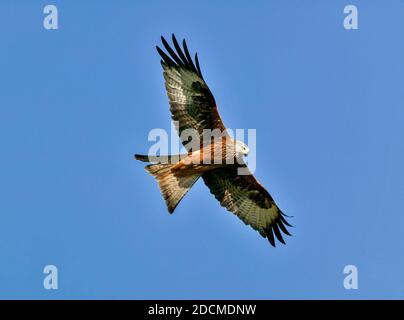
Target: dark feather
[
  {"x": 171, "y": 52},
  {"x": 197, "y": 65},
  {"x": 189, "y": 57},
  {"x": 284, "y": 221},
  {"x": 283, "y": 228},
  {"x": 165, "y": 57},
  {"x": 270, "y": 236},
  {"x": 179, "y": 51},
  {"x": 278, "y": 233}
]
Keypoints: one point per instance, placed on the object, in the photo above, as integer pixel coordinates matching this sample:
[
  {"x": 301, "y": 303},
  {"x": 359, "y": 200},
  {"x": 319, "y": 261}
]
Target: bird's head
[{"x": 242, "y": 148}]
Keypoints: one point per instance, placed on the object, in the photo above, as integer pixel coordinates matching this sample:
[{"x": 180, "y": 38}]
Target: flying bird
[{"x": 193, "y": 106}]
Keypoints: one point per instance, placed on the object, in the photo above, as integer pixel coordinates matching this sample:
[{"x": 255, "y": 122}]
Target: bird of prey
[{"x": 193, "y": 106}]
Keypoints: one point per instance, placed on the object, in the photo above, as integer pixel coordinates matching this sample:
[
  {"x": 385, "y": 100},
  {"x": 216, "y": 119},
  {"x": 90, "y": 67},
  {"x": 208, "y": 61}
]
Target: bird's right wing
[{"x": 192, "y": 104}]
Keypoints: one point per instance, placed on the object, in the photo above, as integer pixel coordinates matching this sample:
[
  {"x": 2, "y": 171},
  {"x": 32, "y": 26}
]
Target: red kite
[{"x": 193, "y": 106}]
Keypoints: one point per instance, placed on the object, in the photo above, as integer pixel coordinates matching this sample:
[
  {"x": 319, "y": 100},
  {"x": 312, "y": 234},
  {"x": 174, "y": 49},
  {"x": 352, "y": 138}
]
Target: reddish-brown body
[{"x": 213, "y": 156}]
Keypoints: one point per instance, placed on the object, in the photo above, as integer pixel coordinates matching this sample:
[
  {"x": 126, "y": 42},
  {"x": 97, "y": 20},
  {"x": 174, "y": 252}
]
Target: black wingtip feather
[
  {"x": 285, "y": 215},
  {"x": 197, "y": 65},
  {"x": 184, "y": 44},
  {"x": 171, "y": 52},
  {"x": 165, "y": 57},
  {"x": 283, "y": 228},
  {"x": 270, "y": 236},
  {"x": 276, "y": 229},
  {"x": 179, "y": 51},
  {"x": 179, "y": 57},
  {"x": 278, "y": 233},
  {"x": 284, "y": 221}
]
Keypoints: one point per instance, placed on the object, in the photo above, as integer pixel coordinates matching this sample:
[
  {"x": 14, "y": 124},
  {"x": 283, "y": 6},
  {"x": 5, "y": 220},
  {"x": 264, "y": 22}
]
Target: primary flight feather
[{"x": 193, "y": 106}]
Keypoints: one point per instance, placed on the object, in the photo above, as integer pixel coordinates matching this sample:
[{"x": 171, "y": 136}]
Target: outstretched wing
[
  {"x": 192, "y": 104},
  {"x": 248, "y": 199}
]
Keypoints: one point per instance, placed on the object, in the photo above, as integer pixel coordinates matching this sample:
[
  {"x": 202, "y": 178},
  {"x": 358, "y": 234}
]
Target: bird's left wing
[
  {"x": 247, "y": 198},
  {"x": 192, "y": 105}
]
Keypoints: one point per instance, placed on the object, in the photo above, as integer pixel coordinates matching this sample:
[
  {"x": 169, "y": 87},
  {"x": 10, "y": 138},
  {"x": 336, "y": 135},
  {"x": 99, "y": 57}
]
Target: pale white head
[{"x": 242, "y": 148}]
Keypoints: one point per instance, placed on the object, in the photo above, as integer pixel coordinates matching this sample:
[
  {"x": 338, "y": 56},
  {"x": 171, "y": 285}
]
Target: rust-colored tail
[{"x": 172, "y": 186}]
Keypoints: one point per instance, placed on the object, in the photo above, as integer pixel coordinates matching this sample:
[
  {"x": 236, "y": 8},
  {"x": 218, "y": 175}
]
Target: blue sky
[{"x": 76, "y": 104}]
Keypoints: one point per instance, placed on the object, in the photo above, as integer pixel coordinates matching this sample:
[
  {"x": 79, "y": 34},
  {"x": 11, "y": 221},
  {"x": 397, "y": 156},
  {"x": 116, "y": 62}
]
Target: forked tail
[{"x": 172, "y": 185}]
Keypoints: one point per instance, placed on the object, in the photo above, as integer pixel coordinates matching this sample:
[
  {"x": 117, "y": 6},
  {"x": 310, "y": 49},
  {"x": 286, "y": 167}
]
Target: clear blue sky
[{"x": 76, "y": 103}]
